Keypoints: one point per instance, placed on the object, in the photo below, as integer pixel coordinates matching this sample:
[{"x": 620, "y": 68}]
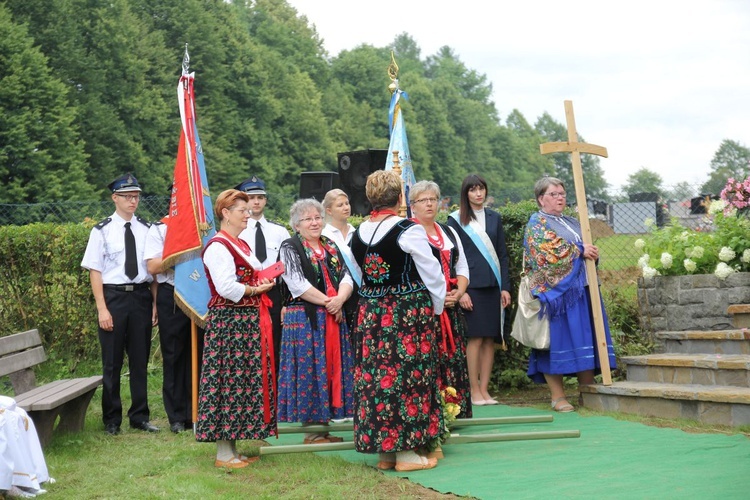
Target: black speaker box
[
  {"x": 354, "y": 167},
  {"x": 317, "y": 184}
]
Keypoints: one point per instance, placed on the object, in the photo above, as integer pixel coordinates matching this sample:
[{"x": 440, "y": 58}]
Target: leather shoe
[
  {"x": 145, "y": 426},
  {"x": 112, "y": 429},
  {"x": 177, "y": 427}
]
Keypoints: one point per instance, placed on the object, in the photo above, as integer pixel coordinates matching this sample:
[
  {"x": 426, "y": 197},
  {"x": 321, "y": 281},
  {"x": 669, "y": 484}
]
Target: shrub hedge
[{"x": 43, "y": 286}]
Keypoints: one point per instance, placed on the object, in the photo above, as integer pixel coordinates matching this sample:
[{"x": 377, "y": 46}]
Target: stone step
[
  {"x": 714, "y": 405},
  {"x": 700, "y": 369},
  {"x": 705, "y": 341}
]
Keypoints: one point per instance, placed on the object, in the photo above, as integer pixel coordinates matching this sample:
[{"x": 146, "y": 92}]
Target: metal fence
[{"x": 615, "y": 225}]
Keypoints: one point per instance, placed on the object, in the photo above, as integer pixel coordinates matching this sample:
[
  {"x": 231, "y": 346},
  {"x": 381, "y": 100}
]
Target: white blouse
[
  {"x": 298, "y": 285},
  {"x": 220, "y": 264}
]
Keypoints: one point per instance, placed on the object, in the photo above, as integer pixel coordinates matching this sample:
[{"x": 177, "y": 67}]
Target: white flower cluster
[
  {"x": 684, "y": 236},
  {"x": 723, "y": 270},
  {"x": 690, "y": 265},
  {"x": 716, "y": 206},
  {"x": 666, "y": 260},
  {"x": 639, "y": 244},
  {"x": 643, "y": 261},
  {"x": 746, "y": 256},
  {"x": 726, "y": 254},
  {"x": 695, "y": 253},
  {"x": 649, "y": 272}
]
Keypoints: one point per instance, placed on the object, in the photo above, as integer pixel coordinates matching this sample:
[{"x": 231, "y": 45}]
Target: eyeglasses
[
  {"x": 423, "y": 201},
  {"x": 556, "y": 195},
  {"x": 243, "y": 210},
  {"x": 309, "y": 220},
  {"x": 130, "y": 197}
]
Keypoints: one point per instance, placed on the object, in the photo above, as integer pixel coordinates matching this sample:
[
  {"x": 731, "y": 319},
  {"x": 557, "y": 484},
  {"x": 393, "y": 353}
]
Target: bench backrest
[{"x": 20, "y": 352}]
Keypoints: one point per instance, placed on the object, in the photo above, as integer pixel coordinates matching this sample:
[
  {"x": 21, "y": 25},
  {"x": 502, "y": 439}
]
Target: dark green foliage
[
  {"x": 43, "y": 286},
  {"x": 40, "y": 148}
]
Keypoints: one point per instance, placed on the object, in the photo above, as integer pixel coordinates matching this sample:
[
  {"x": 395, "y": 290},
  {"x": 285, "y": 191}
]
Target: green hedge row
[{"x": 43, "y": 286}]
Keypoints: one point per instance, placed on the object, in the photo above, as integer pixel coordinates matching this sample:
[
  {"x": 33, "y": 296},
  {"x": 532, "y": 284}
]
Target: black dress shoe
[
  {"x": 112, "y": 429},
  {"x": 145, "y": 426},
  {"x": 177, "y": 427}
]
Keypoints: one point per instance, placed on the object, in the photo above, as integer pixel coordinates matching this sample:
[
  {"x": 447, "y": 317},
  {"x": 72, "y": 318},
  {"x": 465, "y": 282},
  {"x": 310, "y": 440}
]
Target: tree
[
  {"x": 644, "y": 181},
  {"x": 732, "y": 159},
  {"x": 41, "y": 154}
]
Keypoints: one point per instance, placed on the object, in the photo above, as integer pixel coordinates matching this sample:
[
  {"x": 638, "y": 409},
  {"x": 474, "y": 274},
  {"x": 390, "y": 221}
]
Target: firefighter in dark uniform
[
  {"x": 264, "y": 238},
  {"x": 121, "y": 285},
  {"x": 174, "y": 334}
]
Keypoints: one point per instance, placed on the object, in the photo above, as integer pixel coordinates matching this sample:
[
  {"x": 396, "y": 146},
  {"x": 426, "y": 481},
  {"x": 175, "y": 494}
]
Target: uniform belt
[{"x": 129, "y": 287}]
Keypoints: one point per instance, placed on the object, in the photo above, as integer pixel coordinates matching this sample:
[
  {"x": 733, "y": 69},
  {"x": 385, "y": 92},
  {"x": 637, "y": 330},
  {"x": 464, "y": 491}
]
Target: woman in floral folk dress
[
  {"x": 236, "y": 385},
  {"x": 397, "y": 402},
  {"x": 424, "y": 198},
  {"x": 316, "y": 374}
]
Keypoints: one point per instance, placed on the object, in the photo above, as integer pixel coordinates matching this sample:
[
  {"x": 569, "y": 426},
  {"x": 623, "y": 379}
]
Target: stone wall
[{"x": 697, "y": 302}]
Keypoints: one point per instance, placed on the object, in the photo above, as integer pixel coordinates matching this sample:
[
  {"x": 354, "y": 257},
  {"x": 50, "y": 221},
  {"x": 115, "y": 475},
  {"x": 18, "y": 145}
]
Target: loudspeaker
[
  {"x": 354, "y": 167},
  {"x": 317, "y": 184}
]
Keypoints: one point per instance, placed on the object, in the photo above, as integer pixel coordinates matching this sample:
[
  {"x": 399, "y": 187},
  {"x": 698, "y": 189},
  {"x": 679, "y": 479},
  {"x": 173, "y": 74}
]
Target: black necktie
[
  {"x": 260, "y": 243},
  {"x": 131, "y": 261}
]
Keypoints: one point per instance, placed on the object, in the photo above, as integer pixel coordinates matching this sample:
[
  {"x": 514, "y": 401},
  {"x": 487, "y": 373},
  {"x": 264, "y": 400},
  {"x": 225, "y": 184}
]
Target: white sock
[
  {"x": 410, "y": 457},
  {"x": 224, "y": 450}
]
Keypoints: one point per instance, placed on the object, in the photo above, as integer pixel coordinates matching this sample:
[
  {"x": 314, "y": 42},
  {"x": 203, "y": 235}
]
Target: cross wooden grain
[{"x": 575, "y": 148}]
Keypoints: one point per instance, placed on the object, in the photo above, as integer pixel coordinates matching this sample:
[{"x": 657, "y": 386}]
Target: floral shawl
[
  {"x": 553, "y": 260},
  {"x": 302, "y": 263}
]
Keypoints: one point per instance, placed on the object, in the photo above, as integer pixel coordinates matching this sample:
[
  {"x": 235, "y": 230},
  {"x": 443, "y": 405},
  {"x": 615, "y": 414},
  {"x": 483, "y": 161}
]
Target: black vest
[{"x": 386, "y": 269}]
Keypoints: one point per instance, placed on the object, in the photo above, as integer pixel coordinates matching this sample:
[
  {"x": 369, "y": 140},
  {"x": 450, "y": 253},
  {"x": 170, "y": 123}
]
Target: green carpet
[{"x": 611, "y": 459}]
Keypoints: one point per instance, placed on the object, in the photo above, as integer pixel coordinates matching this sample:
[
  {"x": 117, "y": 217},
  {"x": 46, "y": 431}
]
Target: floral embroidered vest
[
  {"x": 386, "y": 269},
  {"x": 245, "y": 275}
]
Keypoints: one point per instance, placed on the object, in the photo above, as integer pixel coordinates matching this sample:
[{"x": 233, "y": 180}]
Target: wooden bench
[{"x": 68, "y": 399}]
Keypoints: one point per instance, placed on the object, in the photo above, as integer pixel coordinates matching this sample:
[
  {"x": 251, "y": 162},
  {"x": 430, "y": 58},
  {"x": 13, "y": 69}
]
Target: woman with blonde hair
[
  {"x": 397, "y": 404},
  {"x": 338, "y": 229}
]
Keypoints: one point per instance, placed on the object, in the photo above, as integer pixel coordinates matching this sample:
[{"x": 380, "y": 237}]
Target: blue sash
[
  {"x": 352, "y": 267},
  {"x": 483, "y": 243}
]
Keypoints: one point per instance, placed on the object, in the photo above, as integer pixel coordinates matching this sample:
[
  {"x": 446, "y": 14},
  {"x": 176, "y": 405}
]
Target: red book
[{"x": 273, "y": 272}]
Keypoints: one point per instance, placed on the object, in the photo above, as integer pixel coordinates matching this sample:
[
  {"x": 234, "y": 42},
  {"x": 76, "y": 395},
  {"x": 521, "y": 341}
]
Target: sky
[{"x": 659, "y": 84}]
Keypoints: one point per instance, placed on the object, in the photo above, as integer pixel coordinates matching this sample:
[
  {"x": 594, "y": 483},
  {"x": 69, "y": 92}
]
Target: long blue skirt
[
  {"x": 572, "y": 344},
  {"x": 304, "y": 395}
]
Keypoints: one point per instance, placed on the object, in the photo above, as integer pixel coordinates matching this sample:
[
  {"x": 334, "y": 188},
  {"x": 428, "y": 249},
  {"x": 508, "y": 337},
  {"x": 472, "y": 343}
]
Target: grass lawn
[
  {"x": 92, "y": 464},
  {"x": 135, "y": 464}
]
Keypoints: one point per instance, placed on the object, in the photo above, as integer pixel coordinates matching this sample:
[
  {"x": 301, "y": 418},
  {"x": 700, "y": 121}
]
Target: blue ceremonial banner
[{"x": 399, "y": 142}]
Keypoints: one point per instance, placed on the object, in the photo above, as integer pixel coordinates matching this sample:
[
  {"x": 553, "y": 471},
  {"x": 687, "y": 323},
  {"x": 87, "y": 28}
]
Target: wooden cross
[{"x": 576, "y": 148}]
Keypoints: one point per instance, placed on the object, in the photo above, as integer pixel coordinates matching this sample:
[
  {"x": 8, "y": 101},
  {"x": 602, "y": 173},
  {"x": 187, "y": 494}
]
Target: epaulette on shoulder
[
  {"x": 103, "y": 223},
  {"x": 157, "y": 223},
  {"x": 143, "y": 221}
]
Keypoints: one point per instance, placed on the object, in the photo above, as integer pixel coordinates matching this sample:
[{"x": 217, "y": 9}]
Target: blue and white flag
[{"x": 399, "y": 143}]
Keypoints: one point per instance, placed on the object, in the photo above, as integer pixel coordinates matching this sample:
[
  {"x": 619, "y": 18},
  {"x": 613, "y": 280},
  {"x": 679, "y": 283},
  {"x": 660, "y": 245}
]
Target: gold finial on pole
[
  {"x": 397, "y": 170},
  {"x": 393, "y": 74}
]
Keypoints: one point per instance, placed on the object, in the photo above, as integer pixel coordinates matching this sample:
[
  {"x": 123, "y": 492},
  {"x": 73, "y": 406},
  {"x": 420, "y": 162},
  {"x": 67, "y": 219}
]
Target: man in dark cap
[
  {"x": 121, "y": 285},
  {"x": 264, "y": 238}
]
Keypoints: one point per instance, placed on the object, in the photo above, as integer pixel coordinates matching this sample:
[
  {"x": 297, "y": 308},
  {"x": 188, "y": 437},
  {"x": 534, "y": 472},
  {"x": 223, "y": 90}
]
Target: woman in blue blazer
[{"x": 483, "y": 239}]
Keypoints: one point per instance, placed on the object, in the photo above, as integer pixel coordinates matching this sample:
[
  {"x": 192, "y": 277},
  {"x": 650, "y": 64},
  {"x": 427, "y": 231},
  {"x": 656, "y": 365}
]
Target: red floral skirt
[{"x": 397, "y": 403}]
